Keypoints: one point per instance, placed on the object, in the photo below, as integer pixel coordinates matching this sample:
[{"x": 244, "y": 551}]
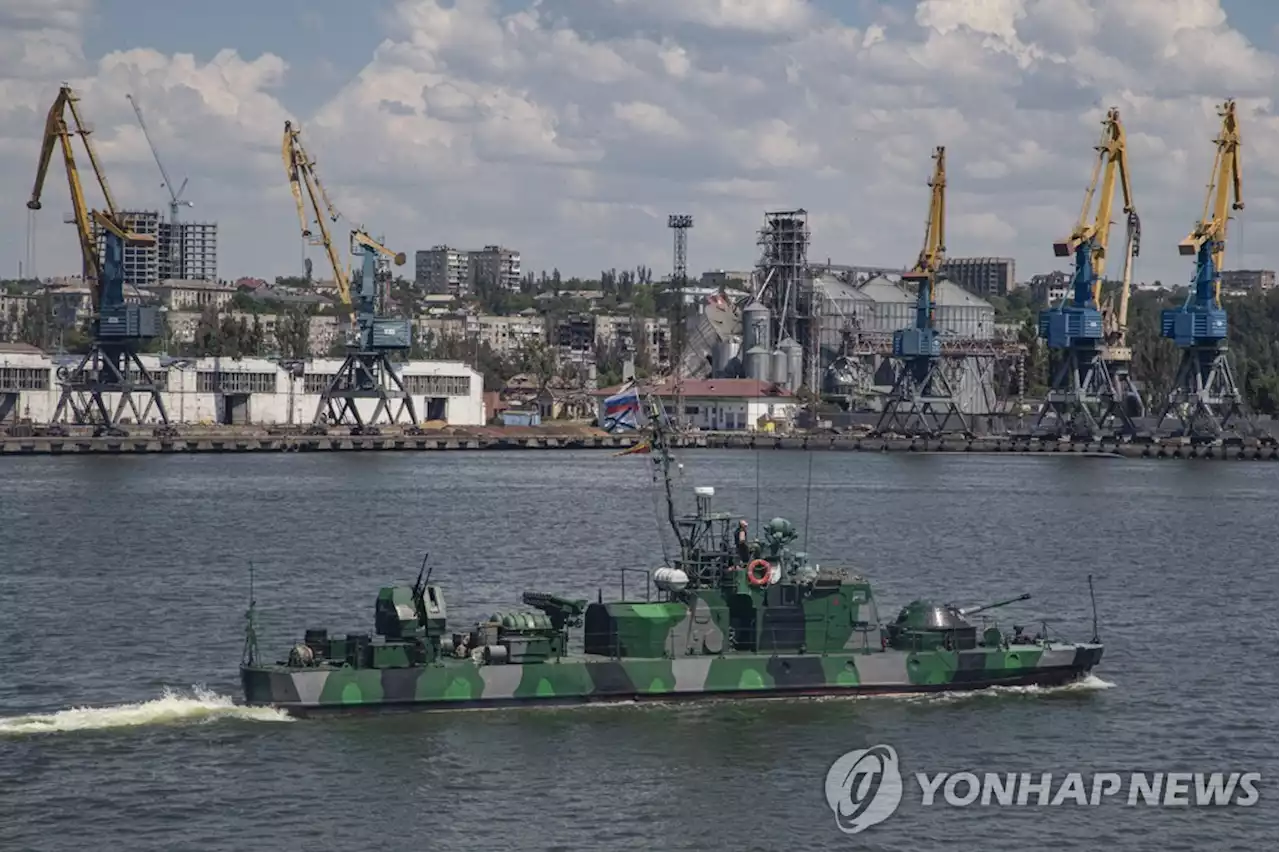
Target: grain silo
[
  {"x": 755, "y": 326},
  {"x": 961, "y": 315},
  {"x": 756, "y": 363},
  {"x": 892, "y": 308},
  {"x": 794, "y": 356},
  {"x": 778, "y": 367}
]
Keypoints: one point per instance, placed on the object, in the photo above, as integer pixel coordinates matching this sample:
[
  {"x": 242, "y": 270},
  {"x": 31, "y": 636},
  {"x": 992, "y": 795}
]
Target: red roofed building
[{"x": 720, "y": 405}]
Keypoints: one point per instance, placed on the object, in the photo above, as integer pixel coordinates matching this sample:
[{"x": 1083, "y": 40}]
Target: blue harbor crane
[
  {"x": 109, "y": 380},
  {"x": 1205, "y": 397},
  {"x": 367, "y": 372},
  {"x": 921, "y": 400},
  {"x": 1090, "y": 390}
]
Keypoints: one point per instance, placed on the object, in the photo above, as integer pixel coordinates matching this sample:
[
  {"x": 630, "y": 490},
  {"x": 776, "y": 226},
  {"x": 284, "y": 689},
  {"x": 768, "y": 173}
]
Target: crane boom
[
  {"x": 361, "y": 237},
  {"x": 175, "y": 196},
  {"x": 1224, "y": 178},
  {"x": 58, "y": 132},
  {"x": 1088, "y": 241},
  {"x": 300, "y": 169},
  {"x": 935, "y": 242}
]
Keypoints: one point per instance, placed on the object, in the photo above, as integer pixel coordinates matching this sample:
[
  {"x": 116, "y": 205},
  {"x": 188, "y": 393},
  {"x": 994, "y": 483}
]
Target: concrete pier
[{"x": 1250, "y": 450}]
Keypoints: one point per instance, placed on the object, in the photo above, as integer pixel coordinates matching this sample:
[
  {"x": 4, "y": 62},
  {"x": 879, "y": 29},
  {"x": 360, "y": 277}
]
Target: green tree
[{"x": 293, "y": 333}]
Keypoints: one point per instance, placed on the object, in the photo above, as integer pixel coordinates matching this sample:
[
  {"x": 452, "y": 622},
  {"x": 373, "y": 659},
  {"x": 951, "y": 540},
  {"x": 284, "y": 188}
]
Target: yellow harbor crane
[
  {"x": 1205, "y": 396},
  {"x": 921, "y": 400},
  {"x": 1090, "y": 390},
  {"x": 367, "y": 373},
  {"x": 934, "y": 250},
  {"x": 111, "y": 366}
]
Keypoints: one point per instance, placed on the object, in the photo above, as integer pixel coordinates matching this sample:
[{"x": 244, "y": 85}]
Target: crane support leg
[
  {"x": 1205, "y": 397},
  {"x": 1087, "y": 398},
  {"x": 365, "y": 375},
  {"x": 108, "y": 369},
  {"x": 922, "y": 401}
]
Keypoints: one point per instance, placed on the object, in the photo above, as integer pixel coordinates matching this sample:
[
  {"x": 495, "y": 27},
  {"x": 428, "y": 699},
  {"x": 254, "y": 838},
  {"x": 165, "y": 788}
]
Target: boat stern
[{"x": 271, "y": 687}]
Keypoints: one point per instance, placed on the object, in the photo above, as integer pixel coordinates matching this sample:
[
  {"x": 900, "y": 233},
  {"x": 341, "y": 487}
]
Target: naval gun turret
[{"x": 923, "y": 625}]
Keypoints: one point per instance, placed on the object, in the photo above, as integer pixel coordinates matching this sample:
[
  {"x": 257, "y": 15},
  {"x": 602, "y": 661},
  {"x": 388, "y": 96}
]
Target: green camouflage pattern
[{"x": 584, "y": 679}]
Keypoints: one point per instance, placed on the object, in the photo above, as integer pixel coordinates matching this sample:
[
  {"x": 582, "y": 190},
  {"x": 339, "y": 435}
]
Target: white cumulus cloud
[{"x": 569, "y": 131}]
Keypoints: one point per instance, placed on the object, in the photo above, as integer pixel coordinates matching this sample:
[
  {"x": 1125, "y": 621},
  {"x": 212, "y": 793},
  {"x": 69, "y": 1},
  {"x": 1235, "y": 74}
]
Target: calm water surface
[{"x": 124, "y": 582}]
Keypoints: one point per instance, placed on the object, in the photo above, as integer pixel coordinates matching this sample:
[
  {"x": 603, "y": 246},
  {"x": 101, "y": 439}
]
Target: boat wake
[
  {"x": 172, "y": 707},
  {"x": 1089, "y": 683}
]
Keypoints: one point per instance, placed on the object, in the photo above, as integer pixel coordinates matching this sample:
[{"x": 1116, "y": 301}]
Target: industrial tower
[
  {"x": 1090, "y": 390},
  {"x": 366, "y": 372},
  {"x": 111, "y": 367},
  {"x": 1205, "y": 397},
  {"x": 784, "y": 289},
  {"x": 921, "y": 400}
]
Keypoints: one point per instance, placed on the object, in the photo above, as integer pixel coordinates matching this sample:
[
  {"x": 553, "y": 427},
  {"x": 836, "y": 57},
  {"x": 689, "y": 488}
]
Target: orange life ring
[{"x": 758, "y": 579}]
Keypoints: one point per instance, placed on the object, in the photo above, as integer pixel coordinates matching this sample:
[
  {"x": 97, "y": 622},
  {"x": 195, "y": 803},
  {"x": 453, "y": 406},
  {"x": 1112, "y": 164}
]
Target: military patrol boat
[{"x": 728, "y": 618}]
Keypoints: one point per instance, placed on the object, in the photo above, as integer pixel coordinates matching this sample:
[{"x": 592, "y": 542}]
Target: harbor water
[{"x": 125, "y": 581}]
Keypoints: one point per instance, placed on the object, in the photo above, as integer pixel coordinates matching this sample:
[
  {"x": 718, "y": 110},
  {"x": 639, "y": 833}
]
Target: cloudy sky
[{"x": 569, "y": 129}]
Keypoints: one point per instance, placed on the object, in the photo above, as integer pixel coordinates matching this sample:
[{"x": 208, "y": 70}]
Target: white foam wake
[
  {"x": 171, "y": 707},
  {"x": 1088, "y": 683}
]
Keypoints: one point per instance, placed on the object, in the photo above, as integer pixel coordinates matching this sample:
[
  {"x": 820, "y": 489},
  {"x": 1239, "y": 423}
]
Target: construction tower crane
[
  {"x": 367, "y": 372},
  {"x": 921, "y": 400},
  {"x": 1090, "y": 390},
  {"x": 176, "y": 200},
  {"x": 1205, "y": 396},
  {"x": 111, "y": 370}
]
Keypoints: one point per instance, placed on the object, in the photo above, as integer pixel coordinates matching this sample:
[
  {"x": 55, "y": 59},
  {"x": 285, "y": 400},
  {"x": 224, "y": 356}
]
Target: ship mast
[{"x": 660, "y": 447}]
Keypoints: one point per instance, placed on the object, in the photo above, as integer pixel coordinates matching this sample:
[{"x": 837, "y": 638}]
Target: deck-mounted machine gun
[
  {"x": 1090, "y": 384},
  {"x": 1205, "y": 396},
  {"x": 921, "y": 400},
  {"x": 111, "y": 366},
  {"x": 366, "y": 372}
]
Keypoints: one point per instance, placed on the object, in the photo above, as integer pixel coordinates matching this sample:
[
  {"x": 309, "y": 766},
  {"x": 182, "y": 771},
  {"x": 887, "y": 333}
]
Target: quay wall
[{"x": 491, "y": 439}]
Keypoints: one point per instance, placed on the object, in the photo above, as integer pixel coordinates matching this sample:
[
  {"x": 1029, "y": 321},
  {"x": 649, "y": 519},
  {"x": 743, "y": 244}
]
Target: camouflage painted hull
[{"x": 463, "y": 684}]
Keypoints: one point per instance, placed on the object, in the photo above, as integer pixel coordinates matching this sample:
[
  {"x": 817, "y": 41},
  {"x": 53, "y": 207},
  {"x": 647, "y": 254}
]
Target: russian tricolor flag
[{"x": 622, "y": 410}]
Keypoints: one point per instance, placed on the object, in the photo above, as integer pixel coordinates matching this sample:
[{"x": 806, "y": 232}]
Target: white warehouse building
[{"x": 240, "y": 391}]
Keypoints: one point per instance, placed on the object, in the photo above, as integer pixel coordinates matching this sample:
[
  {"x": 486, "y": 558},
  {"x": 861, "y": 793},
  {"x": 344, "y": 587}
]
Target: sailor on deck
[{"x": 740, "y": 540}]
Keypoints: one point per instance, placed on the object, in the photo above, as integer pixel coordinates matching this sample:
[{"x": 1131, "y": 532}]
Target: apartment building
[
  {"x": 194, "y": 257},
  {"x": 1248, "y": 280},
  {"x": 981, "y": 276},
  {"x": 443, "y": 270}
]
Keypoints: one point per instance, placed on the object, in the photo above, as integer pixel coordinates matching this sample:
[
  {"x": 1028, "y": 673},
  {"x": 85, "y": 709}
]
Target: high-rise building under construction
[{"x": 194, "y": 258}]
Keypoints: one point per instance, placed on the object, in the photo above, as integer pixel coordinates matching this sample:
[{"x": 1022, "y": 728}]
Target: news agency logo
[{"x": 864, "y": 788}]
